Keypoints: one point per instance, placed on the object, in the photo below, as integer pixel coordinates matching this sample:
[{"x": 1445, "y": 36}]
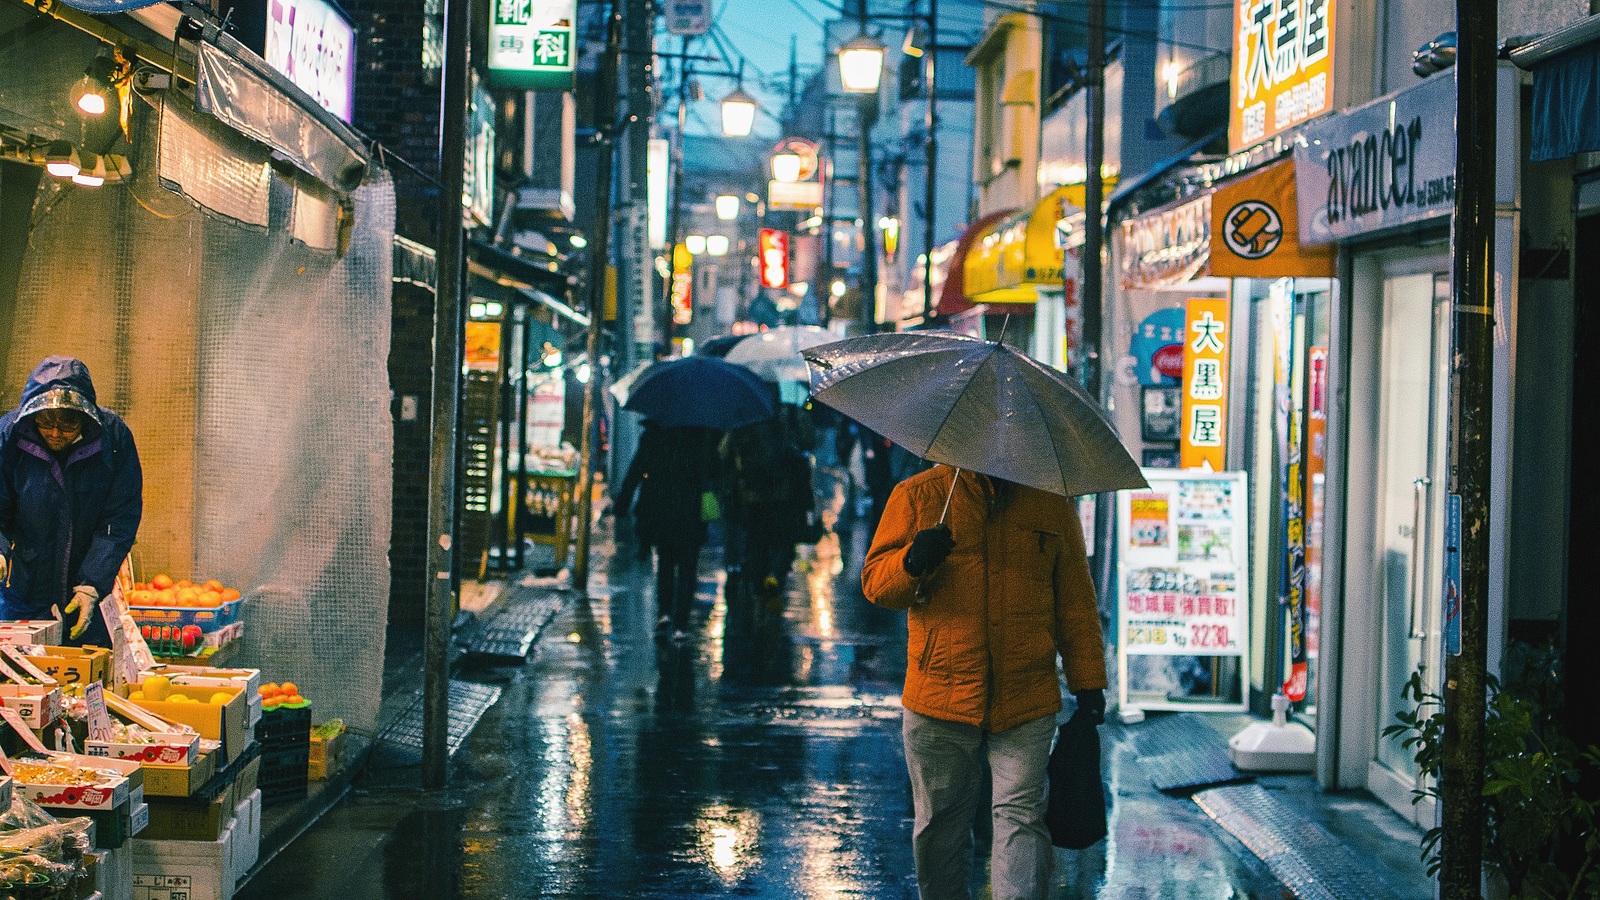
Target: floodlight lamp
[
  {"x": 578, "y": 242},
  {"x": 861, "y": 65},
  {"x": 728, "y": 207},
  {"x": 61, "y": 160},
  {"x": 92, "y": 172},
  {"x": 695, "y": 244},
  {"x": 716, "y": 245}
]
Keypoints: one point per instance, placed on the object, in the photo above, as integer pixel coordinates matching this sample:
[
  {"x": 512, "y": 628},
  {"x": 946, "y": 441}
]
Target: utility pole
[
  {"x": 825, "y": 311},
  {"x": 448, "y": 329},
  {"x": 868, "y": 114},
  {"x": 675, "y": 211},
  {"x": 1093, "y": 195},
  {"x": 930, "y": 181},
  {"x": 599, "y": 256},
  {"x": 1471, "y": 421}
]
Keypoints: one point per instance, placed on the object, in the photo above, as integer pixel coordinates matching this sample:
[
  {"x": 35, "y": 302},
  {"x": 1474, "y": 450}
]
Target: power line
[{"x": 1112, "y": 29}]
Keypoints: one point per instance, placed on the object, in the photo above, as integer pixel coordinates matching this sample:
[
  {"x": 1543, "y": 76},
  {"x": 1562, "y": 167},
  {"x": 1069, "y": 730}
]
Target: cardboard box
[
  {"x": 38, "y": 705},
  {"x": 114, "y": 874},
  {"x": 172, "y": 819},
  {"x": 184, "y": 870},
  {"x": 244, "y": 784},
  {"x": 248, "y": 680},
  {"x": 219, "y": 722},
  {"x": 74, "y": 665},
  {"x": 247, "y": 834},
  {"x": 110, "y": 793},
  {"x": 327, "y": 756},
  {"x": 178, "y": 781},
  {"x": 169, "y": 748},
  {"x": 30, "y": 631}
]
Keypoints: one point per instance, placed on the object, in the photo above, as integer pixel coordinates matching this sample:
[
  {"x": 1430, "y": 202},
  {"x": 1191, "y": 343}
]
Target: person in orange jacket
[{"x": 994, "y": 593}]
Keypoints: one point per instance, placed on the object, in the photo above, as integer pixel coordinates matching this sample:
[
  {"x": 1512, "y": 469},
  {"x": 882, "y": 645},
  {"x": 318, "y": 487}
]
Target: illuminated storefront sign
[
  {"x": 532, "y": 44},
  {"x": 1282, "y": 67},
  {"x": 774, "y": 260},
  {"x": 308, "y": 41},
  {"x": 1204, "y": 439}
]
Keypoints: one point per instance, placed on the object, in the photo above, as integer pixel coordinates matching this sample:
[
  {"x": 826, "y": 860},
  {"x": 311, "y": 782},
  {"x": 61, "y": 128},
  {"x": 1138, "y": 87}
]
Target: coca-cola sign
[{"x": 1169, "y": 360}]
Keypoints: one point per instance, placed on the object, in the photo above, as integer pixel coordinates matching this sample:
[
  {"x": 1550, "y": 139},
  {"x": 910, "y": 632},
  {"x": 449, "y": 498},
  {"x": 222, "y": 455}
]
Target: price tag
[
  {"x": 5, "y": 762},
  {"x": 99, "y": 720}
]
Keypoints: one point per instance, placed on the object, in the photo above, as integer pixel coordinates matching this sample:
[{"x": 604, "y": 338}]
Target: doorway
[{"x": 1399, "y": 356}]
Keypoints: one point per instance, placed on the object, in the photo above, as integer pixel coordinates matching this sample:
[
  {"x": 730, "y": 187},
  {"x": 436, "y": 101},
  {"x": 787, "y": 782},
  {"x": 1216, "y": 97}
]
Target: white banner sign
[{"x": 1183, "y": 564}]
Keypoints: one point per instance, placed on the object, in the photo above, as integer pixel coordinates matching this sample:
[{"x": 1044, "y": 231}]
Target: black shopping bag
[{"x": 1076, "y": 814}]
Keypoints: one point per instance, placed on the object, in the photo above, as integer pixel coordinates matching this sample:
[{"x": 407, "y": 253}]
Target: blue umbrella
[{"x": 703, "y": 391}]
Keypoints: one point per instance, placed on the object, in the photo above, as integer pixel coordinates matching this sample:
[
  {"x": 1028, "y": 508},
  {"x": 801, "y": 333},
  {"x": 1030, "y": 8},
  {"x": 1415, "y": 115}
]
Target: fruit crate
[
  {"x": 209, "y": 618},
  {"x": 284, "y": 726},
  {"x": 284, "y": 774}
]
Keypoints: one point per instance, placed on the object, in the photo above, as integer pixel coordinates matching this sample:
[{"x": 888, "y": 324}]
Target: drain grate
[
  {"x": 402, "y": 738},
  {"x": 1302, "y": 855},
  {"x": 1183, "y": 752},
  {"x": 509, "y": 636}
]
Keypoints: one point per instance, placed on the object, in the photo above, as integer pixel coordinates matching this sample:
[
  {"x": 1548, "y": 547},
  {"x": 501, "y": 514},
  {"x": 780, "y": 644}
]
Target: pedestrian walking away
[
  {"x": 995, "y": 578},
  {"x": 71, "y": 497},
  {"x": 670, "y": 472}
]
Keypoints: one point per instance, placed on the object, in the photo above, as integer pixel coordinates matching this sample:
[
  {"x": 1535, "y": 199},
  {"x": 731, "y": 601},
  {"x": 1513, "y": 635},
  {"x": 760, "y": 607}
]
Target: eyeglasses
[{"x": 59, "y": 425}]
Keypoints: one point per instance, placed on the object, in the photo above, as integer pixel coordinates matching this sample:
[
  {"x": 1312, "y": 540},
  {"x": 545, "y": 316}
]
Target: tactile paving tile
[
  {"x": 1302, "y": 855},
  {"x": 468, "y": 703},
  {"x": 1182, "y": 752}
]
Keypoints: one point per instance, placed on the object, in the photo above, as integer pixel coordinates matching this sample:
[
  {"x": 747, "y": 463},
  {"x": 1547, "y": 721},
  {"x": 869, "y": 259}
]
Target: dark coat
[
  {"x": 669, "y": 472},
  {"x": 65, "y": 520}
]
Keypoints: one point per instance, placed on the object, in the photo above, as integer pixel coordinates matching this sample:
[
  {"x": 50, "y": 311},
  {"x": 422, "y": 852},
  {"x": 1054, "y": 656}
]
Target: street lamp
[
  {"x": 860, "y": 70},
  {"x": 728, "y": 207},
  {"x": 738, "y": 113},
  {"x": 861, "y": 65}
]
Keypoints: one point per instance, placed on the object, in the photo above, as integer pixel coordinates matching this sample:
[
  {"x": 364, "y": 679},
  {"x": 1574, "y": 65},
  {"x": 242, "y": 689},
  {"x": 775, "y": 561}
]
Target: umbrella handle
[{"x": 947, "y": 497}]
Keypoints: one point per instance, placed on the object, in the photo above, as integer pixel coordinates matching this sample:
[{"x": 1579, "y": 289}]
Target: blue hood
[{"x": 59, "y": 382}]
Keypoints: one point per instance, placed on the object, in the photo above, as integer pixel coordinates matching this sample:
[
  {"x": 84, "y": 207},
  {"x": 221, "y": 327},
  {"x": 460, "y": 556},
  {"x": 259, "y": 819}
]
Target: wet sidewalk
[{"x": 761, "y": 758}]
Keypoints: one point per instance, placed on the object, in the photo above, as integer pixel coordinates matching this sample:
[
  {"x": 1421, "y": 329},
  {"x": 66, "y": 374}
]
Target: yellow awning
[{"x": 1026, "y": 251}]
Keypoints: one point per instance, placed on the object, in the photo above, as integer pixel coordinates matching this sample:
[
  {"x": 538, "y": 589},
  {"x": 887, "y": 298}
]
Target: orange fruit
[
  {"x": 161, "y": 582},
  {"x": 288, "y": 687},
  {"x": 229, "y": 595},
  {"x": 210, "y": 598},
  {"x": 212, "y": 585},
  {"x": 185, "y": 583}
]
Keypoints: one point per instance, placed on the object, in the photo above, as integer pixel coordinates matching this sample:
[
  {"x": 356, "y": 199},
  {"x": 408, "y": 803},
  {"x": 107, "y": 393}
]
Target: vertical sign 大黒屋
[
  {"x": 532, "y": 44},
  {"x": 1282, "y": 67},
  {"x": 1203, "y": 443}
]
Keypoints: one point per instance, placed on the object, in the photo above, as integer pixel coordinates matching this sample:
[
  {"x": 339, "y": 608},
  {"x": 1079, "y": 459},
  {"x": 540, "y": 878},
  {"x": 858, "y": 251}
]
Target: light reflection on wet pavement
[{"x": 760, "y": 759}]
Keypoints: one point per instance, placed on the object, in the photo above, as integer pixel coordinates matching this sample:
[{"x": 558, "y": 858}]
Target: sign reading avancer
[
  {"x": 533, "y": 44},
  {"x": 1282, "y": 67}
]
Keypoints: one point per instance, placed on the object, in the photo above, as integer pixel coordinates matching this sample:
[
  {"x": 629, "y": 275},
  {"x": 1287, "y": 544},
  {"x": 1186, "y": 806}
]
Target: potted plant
[{"x": 1539, "y": 833}]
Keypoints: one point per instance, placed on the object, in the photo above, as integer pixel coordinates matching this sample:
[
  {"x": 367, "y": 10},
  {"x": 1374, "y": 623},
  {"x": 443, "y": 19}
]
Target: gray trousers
[{"x": 942, "y": 759}]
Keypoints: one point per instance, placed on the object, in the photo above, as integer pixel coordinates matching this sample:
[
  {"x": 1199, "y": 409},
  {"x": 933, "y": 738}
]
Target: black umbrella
[{"x": 703, "y": 391}]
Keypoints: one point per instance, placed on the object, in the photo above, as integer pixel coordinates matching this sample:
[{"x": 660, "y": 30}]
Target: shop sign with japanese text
[
  {"x": 1167, "y": 247},
  {"x": 311, "y": 43},
  {"x": 1391, "y": 162},
  {"x": 1204, "y": 441},
  {"x": 1283, "y": 67},
  {"x": 532, "y": 44},
  {"x": 773, "y": 261},
  {"x": 1183, "y": 563}
]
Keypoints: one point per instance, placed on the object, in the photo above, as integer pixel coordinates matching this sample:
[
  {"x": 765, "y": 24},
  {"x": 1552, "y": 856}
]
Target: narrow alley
[{"x": 760, "y": 759}]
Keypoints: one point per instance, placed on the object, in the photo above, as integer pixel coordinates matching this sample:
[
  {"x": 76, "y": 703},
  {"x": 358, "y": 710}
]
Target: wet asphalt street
[{"x": 760, "y": 758}]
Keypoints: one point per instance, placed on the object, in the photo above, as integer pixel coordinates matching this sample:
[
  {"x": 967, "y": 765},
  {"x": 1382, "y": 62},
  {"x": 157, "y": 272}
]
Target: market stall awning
[
  {"x": 1025, "y": 251},
  {"x": 519, "y": 271},
  {"x": 1566, "y": 90}
]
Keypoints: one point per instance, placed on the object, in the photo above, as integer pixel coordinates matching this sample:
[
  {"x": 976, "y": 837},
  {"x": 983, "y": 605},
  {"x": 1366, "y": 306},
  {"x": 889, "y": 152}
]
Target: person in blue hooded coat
[{"x": 71, "y": 496}]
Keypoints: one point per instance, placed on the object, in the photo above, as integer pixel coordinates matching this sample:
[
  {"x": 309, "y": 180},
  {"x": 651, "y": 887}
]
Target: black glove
[
  {"x": 1091, "y": 706},
  {"x": 928, "y": 549}
]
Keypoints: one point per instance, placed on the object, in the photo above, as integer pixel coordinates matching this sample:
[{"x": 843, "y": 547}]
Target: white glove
[
  {"x": 83, "y": 600},
  {"x": 5, "y": 570}
]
